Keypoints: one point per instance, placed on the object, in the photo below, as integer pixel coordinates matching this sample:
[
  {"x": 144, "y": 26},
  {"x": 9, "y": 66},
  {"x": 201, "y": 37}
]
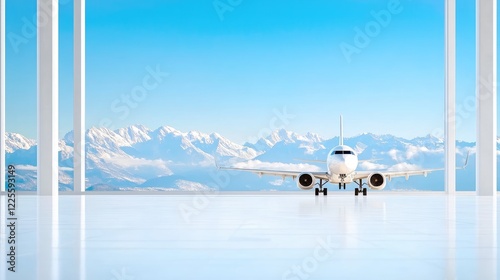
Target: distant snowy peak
[
  {"x": 376, "y": 137},
  {"x": 292, "y": 137},
  {"x": 168, "y": 138},
  {"x": 196, "y": 136},
  {"x": 105, "y": 137},
  {"x": 283, "y": 135},
  {"x": 215, "y": 144},
  {"x": 165, "y": 131},
  {"x": 15, "y": 141},
  {"x": 135, "y": 134},
  {"x": 367, "y": 134},
  {"x": 225, "y": 147},
  {"x": 431, "y": 138},
  {"x": 314, "y": 137}
]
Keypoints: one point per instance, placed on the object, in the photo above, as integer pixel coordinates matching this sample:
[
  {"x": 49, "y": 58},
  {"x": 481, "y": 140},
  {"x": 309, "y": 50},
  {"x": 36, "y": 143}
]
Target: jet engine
[
  {"x": 306, "y": 181},
  {"x": 376, "y": 181}
]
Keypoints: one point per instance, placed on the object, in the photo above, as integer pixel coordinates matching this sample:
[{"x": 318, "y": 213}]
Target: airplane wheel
[
  {"x": 340, "y": 186},
  {"x": 316, "y": 191},
  {"x": 344, "y": 186},
  {"x": 356, "y": 191},
  {"x": 324, "y": 191},
  {"x": 364, "y": 191}
]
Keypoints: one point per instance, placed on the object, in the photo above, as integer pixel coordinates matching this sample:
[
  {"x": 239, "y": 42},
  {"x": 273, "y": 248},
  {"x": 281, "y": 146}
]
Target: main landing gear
[
  {"x": 321, "y": 189},
  {"x": 360, "y": 188}
]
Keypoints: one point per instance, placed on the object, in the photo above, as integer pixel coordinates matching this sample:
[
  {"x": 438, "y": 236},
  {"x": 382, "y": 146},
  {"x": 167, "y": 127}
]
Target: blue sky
[{"x": 233, "y": 64}]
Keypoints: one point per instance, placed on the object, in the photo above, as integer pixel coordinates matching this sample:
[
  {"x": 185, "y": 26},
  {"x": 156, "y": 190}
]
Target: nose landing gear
[{"x": 342, "y": 177}]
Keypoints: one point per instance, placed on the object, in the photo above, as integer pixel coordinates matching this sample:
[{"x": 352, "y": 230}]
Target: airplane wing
[
  {"x": 393, "y": 174},
  {"x": 405, "y": 173},
  {"x": 281, "y": 173}
]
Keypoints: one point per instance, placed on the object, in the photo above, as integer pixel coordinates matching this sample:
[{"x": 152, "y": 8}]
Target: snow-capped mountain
[
  {"x": 15, "y": 141},
  {"x": 137, "y": 157},
  {"x": 215, "y": 144},
  {"x": 135, "y": 134},
  {"x": 285, "y": 137}
]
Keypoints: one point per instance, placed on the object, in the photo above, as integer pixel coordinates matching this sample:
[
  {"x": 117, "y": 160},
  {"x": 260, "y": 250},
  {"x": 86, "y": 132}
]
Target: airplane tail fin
[{"x": 341, "y": 135}]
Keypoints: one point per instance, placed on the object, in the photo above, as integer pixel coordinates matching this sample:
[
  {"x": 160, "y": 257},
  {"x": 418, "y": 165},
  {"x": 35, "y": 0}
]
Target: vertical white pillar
[
  {"x": 449, "y": 104},
  {"x": 2, "y": 96},
  {"x": 486, "y": 97},
  {"x": 48, "y": 122},
  {"x": 79, "y": 97}
]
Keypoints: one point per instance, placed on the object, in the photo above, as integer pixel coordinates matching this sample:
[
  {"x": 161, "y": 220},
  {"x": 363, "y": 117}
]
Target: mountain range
[{"x": 165, "y": 159}]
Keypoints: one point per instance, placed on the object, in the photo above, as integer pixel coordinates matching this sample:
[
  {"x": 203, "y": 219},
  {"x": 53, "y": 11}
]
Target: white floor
[{"x": 382, "y": 236}]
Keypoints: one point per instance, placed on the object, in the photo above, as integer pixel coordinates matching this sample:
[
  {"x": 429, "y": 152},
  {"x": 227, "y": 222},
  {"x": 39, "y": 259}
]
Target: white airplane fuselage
[{"x": 341, "y": 163}]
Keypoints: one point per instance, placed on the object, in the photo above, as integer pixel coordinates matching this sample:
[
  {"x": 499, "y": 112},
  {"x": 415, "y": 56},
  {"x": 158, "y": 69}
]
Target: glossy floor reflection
[{"x": 126, "y": 237}]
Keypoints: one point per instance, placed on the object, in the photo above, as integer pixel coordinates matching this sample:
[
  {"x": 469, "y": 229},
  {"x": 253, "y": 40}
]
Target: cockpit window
[{"x": 343, "y": 153}]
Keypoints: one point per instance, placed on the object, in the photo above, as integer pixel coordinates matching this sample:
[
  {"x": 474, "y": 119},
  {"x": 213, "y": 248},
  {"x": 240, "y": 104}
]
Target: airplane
[{"x": 341, "y": 164}]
